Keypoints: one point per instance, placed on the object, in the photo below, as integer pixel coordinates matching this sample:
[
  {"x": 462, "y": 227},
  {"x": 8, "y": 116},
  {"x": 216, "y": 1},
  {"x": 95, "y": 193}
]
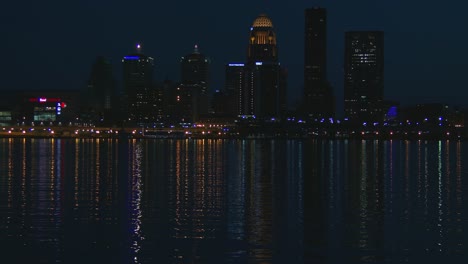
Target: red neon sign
[{"x": 44, "y": 100}]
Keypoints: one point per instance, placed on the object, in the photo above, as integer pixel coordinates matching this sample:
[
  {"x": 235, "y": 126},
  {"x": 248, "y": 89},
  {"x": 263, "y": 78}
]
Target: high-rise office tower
[
  {"x": 364, "y": 75},
  {"x": 263, "y": 94},
  {"x": 234, "y": 77},
  {"x": 193, "y": 92},
  {"x": 100, "y": 92},
  {"x": 318, "y": 94},
  {"x": 234, "y": 86},
  {"x": 101, "y": 83},
  {"x": 138, "y": 88},
  {"x": 194, "y": 69}
]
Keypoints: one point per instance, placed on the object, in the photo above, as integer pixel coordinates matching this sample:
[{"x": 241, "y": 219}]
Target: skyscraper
[
  {"x": 138, "y": 88},
  {"x": 318, "y": 94},
  {"x": 234, "y": 86},
  {"x": 195, "y": 70},
  {"x": 193, "y": 92},
  {"x": 263, "y": 94},
  {"x": 100, "y": 91},
  {"x": 364, "y": 75}
]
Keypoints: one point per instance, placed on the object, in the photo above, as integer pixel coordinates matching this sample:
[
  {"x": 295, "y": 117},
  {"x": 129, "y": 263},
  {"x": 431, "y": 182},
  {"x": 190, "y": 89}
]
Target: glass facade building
[
  {"x": 139, "y": 89},
  {"x": 364, "y": 75}
]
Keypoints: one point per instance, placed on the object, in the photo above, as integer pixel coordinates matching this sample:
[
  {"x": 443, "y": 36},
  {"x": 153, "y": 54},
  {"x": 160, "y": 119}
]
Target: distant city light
[{"x": 131, "y": 57}]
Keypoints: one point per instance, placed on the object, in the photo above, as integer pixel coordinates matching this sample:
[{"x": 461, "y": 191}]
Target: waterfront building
[
  {"x": 7, "y": 105},
  {"x": 139, "y": 95},
  {"x": 318, "y": 94},
  {"x": 430, "y": 116},
  {"x": 99, "y": 97},
  {"x": 193, "y": 93},
  {"x": 5, "y": 117},
  {"x": 195, "y": 69},
  {"x": 47, "y": 107},
  {"x": 234, "y": 88},
  {"x": 364, "y": 75},
  {"x": 263, "y": 94}
]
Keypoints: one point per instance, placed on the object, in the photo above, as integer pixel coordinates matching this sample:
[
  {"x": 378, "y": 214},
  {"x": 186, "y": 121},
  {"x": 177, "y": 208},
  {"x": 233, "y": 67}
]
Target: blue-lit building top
[{"x": 138, "y": 88}]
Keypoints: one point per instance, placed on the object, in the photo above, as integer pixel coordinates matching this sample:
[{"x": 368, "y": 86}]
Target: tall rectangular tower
[
  {"x": 318, "y": 94},
  {"x": 194, "y": 89},
  {"x": 234, "y": 88},
  {"x": 264, "y": 93},
  {"x": 138, "y": 89},
  {"x": 100, "y": 93},
  {"x": 364, "y": 75}
]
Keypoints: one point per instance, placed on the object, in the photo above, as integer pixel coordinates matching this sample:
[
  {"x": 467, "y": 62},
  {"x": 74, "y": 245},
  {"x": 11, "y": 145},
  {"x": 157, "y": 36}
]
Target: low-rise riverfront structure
[{"x": 249, "y": 130}]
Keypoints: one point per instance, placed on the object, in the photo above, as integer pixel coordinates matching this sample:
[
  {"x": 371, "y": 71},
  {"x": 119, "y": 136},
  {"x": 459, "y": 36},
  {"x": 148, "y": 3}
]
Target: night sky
[{"x": 52, "y": 44}]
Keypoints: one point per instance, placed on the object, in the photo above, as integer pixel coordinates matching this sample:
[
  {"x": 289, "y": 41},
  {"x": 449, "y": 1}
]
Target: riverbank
[{"x": 229, "y": 133}]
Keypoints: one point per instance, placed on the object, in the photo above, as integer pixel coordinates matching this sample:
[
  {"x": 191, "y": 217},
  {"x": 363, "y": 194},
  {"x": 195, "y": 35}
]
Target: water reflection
[
  {"x": 388, "y": 201},
  {"x": 198, "y": 192},
  {"x": 135, "y": 201},
  {"x": 232, "y": 201}
]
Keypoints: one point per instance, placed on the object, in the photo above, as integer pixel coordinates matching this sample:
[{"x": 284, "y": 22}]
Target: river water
[{"x": 233, "y": 201}]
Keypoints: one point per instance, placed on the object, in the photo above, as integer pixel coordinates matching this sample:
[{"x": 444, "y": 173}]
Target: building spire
[
  {"x": 195, "y": 49},
  {"x": 138, "y": 48}
]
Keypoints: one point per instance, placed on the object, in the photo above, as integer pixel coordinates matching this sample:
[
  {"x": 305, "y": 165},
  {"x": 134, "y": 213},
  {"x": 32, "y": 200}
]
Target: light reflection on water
[{"x": 232, "y": 201}]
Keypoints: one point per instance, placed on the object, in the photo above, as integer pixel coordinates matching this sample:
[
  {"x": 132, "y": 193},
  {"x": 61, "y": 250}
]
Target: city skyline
[{"x": 38, "y": 50}]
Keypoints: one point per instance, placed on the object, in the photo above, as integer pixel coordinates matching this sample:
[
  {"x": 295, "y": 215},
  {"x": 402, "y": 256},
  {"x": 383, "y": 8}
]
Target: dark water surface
[{"x": 233, "y": 201}]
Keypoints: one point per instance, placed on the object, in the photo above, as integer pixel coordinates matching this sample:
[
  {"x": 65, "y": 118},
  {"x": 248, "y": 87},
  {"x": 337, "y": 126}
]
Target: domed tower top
[
  {"x": 262, "y": 42},
  {"x": 262, "y": 21}
]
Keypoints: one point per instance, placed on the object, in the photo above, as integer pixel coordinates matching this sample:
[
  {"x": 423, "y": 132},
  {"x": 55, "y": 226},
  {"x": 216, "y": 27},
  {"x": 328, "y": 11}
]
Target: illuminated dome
[
  {"x": 262, "y": 41},
  {"x": 262, "y": 21}
]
